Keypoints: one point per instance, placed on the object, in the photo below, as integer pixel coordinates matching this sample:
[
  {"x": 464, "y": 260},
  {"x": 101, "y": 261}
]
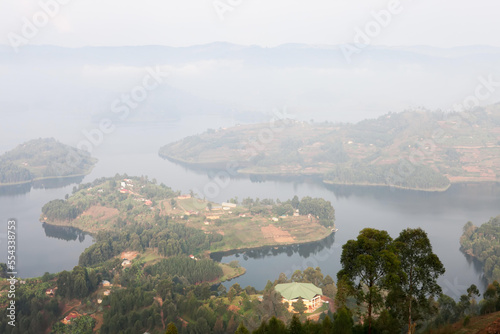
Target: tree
[
  {"x": 231, "y": 325},
  {"x": 276, "y": 326},
  {"x": 231, "y": 294},
  {"x": 299, "y": 306},
  {"x": 420, "y": 269},
  {"x": 295, "y": 325},
  {"x": 219, "y": 326},
  {"x": 342, "y": 321},
  {"x": 3, "y": 270},
  {"x": 343, "y": 291},
  {"x": 327, "y": 325},
  {"x": 370, "y": 259},
  {"x": 242, "y": 329},
  {"x": 385, "y": 323}
]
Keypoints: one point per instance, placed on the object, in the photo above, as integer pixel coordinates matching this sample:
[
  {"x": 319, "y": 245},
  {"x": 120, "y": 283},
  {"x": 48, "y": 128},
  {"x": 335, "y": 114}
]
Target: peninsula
[
  {"x": 420, "y": 150},
  {"x": 141, "y": 207}
]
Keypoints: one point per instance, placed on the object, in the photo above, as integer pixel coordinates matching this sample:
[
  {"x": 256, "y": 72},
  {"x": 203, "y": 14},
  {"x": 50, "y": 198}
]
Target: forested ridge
[
  {"x": 43, "y": 158},
  {"x": 483, "y": 243},
  {"x": 380, "y": 289},
  {"x": 416, "y": 149}
]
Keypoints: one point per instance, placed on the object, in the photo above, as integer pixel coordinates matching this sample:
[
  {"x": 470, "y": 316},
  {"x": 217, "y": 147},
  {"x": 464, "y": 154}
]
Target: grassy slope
[
  {"x": 108, "y": 205},
  {"x": 484, "y": 324},
  {"x": 466, "y": 150}
]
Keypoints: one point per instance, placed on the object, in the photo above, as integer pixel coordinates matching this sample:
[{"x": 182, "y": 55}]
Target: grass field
[{"x": 258, "y": 231}]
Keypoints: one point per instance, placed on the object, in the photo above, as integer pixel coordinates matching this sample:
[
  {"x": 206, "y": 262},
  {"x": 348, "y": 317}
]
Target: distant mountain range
[{"x": 311, "y": 81}]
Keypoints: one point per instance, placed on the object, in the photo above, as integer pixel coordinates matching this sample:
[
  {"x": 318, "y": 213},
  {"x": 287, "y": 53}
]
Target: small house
[{"x": 69, "y": 317}]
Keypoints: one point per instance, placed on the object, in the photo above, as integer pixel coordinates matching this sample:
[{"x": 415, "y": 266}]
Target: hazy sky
[{"x": 445, "y": 23}]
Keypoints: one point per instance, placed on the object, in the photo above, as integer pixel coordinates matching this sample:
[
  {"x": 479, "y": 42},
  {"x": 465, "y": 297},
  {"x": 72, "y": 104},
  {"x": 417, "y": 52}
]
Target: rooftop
[{"x": 295, "y": 290}]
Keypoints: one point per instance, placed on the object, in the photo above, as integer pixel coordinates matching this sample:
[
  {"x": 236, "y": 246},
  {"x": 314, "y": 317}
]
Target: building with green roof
[{"x": 310, "y": 294}]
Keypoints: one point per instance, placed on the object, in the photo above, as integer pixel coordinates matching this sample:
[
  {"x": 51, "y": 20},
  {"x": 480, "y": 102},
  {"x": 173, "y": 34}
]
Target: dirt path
[{"x": 160, "y": 301}]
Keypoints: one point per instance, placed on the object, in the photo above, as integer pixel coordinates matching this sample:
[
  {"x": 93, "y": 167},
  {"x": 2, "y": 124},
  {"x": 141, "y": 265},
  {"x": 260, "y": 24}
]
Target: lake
[{"x": 133, "y": 149}]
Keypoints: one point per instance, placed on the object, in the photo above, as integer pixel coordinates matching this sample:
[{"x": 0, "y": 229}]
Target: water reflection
[
  {"x": 67, "y": 233},
  {"x": 13, "y": 190},
  {"x": 304, "y": 250},
  {"x": 57, "y": 182},
  {"x": 20, "y": 189}
]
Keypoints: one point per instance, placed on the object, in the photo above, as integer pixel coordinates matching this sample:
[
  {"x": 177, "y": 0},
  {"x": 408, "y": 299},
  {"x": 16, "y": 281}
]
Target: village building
[
  {"x": 69, "y": 317},
  {"x": 310, "y": 294}
]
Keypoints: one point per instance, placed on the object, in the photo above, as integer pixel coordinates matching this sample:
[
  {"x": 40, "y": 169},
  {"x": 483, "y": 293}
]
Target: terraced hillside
[{"x": 419, "y": 150}]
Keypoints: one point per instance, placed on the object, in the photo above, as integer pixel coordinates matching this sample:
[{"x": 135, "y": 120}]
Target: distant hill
[
  {"x": 234, "y": 81},
  {"x": 419, "y": 150},
  {"x": 43, "y": 159}
]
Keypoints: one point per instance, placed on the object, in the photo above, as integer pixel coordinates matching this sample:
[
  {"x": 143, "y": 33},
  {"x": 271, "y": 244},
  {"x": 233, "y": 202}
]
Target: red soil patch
[
  {"x": 276, "y": 233},
  {"x": 101, "y": 212},
  {"x": 129, "y": 255},
  {"x": 233, "y": 308}
]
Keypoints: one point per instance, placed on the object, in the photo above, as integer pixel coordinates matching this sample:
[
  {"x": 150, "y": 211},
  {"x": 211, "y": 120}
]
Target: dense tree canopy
[
  {"x": 371, "y": 261},
  {"x": 420, "y": 269}
]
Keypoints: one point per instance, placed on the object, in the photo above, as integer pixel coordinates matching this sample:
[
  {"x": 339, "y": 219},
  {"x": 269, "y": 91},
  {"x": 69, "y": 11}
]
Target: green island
[
  {"x": 127, "y": 203},
  {"x": 483, "y": 244},
  {"x": 419, "y": 150},
  {"x": 42, "y": 159}
]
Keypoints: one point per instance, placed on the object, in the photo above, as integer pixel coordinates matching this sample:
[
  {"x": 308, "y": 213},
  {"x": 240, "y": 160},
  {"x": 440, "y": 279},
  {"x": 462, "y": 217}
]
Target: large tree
[
  {"x": 299, "y": 306},
  {"x": 420, "y": 269},
  {"x": 371, "y": 261}
]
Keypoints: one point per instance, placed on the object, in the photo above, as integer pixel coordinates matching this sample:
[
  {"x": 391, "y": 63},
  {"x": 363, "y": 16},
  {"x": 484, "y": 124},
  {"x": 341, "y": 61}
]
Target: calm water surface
[{"x": 133, "y": 150}]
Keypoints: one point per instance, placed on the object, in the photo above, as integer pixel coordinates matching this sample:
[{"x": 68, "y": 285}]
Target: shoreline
[
  {"x": 208, "y": 165},
  {"x": 244, "y": 249},
  {"x": 387, "y": 186},
  {"x": 209, "y": 252},
  {"x": 44, "y": 178}
]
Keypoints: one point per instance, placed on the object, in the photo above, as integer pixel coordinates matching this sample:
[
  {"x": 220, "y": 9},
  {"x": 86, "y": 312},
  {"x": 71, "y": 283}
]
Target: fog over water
[
  {"x": 50, "y": 91},
  {"x": 133, "y": 150}
]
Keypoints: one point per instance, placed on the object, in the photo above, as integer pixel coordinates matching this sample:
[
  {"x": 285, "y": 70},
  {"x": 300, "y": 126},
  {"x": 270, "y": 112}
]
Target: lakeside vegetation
[
  {"x": 380, "y": 289},
  {"x": 483, "y": 244},
  {"x": 154, "y": 216},
  {"x": 418, "y": 150},
  {"x": 41, "y": 159}
]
